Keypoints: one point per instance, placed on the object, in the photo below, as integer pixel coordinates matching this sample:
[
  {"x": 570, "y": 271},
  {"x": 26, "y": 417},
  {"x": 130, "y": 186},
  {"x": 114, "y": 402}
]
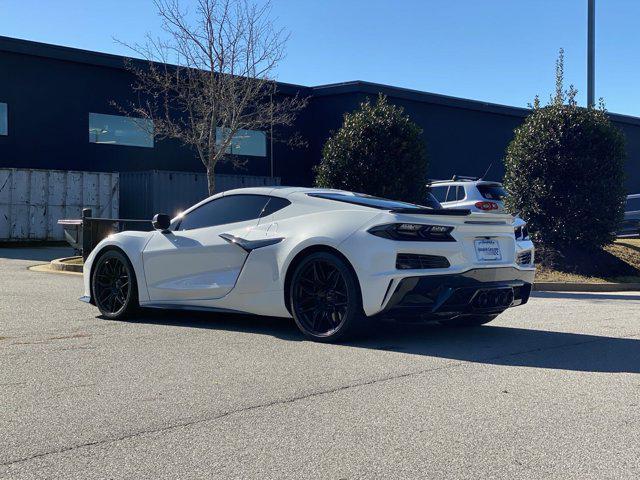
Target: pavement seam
[{"x": 302, "y": 397}]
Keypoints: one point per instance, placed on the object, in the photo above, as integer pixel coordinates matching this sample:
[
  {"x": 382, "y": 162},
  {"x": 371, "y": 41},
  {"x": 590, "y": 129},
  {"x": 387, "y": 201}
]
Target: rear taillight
[
  {"x": 487, "y": 205},
  {"x": 415, "y": 232}
]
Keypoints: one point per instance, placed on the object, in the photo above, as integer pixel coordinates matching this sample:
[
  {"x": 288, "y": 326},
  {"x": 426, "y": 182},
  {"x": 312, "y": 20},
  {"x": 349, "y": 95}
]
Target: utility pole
[{"x": 591, "y": 52}]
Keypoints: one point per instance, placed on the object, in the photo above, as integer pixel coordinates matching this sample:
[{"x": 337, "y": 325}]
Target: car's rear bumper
[{"x": 477, "y": 291}]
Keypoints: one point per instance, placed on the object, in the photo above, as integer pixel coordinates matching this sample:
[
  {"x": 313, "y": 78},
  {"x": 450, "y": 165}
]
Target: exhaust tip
[{"x": 494, "y": 298}]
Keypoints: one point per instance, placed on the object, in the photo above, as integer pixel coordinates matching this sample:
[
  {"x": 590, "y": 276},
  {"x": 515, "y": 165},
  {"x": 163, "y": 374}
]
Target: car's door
[{"x": 192, "y": 261}]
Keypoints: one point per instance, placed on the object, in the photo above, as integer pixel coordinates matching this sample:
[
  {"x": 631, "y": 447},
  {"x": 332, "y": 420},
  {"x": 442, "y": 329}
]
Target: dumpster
[{"x": 32, "y": 201}]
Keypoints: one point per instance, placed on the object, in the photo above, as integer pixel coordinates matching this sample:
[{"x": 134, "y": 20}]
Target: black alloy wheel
[
  {"x": 325, "y": 297},
  {"x": 114, "y": 285}
]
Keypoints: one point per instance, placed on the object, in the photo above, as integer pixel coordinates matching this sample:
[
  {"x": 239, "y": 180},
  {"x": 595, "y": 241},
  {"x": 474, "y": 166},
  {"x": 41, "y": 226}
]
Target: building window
[
  {"x": 246, "y": 142},
  {"x": 4, "y": 123},
  {"x": 118, "y": 130}
]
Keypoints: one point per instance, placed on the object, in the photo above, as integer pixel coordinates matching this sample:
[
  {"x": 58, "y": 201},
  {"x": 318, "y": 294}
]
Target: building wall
[
  {"x": 51, "y": 90},
  {"x": 49, "y": 101},
  {"x": 459, "y": 139}
]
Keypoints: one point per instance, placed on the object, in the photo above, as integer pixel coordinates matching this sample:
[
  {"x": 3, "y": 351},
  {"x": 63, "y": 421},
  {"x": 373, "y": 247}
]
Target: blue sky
[{"x": 500, "y": 51}]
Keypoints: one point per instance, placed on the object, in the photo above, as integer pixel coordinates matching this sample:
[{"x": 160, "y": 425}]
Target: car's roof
[
  {"x": 448, "y": 183},
  {"x": 281, "y": 191},
  {"x": 634, "y": 195},
  {"x": 296, "y": 194},
  {"x": 274, "y": 191}
]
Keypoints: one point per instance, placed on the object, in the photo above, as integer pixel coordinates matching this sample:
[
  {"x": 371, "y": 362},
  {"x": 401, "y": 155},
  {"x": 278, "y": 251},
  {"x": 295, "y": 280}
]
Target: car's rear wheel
[
  {"x": 469, "y": 321},
  {"x": 325, "y": 298},
  {"x": 114, "y": 285}
]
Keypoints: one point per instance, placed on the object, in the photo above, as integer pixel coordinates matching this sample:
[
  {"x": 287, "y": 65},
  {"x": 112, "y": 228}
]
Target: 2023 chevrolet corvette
[{"x": 330, "y": 259}]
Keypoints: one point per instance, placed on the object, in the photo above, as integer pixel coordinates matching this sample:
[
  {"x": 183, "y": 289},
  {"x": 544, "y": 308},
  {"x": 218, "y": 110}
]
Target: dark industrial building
[{"x": 56, "y": 112}]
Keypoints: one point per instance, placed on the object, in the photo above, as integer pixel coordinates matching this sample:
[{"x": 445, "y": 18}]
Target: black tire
[
  {"x": 325, "y": 298},
  {"x": 114, "y": 286},
  {"x": 469, "y": 321}
]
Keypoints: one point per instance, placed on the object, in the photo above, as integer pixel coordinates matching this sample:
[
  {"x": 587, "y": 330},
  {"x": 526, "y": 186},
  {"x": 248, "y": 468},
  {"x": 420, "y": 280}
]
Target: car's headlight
[{"x": 414, "y": 232}]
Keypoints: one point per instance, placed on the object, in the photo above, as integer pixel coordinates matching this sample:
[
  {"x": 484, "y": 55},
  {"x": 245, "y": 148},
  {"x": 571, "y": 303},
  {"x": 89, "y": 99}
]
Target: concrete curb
[
  {"x": 585, "y": 287},
  {"x": 61, "y": 264},
  {"x": 46, "y": 268}
]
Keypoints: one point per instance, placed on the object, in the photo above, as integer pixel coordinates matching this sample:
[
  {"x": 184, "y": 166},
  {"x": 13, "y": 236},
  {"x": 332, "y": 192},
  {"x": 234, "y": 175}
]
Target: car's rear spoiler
[{"x": 453, "y": 212}]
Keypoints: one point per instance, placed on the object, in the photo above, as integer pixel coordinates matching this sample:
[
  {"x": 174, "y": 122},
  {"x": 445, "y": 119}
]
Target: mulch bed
[{"x": 621, "y": 259}]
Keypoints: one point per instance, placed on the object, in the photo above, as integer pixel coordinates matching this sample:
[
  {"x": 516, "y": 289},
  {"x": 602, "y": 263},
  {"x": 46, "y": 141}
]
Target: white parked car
[
  {"x": 631, "y": 223},
  {"x": 469, "y": 192},
  {"x": 330, "y": 259}
]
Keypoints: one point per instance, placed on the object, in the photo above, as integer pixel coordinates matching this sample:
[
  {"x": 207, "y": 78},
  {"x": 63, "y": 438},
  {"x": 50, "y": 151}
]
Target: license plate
[{"x": 488, "y": 250}]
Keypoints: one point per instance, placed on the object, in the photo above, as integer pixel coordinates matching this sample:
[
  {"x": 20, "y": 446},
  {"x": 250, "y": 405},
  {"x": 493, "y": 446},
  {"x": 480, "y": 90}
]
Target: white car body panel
[
  {"x": 193, "y": 264},
  {"x": 473, "y": 195},
  {"x": 199, "y": 269},
  {"x": 376, "y": 267}
]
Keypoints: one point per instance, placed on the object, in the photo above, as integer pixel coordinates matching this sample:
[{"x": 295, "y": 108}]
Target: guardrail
[{"x": 85, "y": 233}]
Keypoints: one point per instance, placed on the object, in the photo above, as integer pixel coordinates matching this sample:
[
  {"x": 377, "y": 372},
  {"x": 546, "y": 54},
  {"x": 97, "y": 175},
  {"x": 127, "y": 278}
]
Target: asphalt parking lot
[{"x": 549, "y": 390}]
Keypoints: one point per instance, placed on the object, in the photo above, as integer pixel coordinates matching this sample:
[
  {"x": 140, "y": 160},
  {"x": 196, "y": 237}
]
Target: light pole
[{"x": 591, "y": 52}]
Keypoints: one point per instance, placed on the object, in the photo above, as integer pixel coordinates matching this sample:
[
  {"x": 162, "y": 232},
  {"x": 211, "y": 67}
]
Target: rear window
[
  {"x": 492, "y": 192},
  {"x": 375, "y": 202}
]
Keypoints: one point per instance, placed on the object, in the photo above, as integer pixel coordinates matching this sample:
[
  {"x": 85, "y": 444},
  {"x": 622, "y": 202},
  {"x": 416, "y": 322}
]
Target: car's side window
[
  {"x": 274, "y": 204},
  {"x": 223, "y": 210},
  {"x": 461, "y": 194},
  {"x": 451, "y": 193},
  {"x": 440, "y": 193}
]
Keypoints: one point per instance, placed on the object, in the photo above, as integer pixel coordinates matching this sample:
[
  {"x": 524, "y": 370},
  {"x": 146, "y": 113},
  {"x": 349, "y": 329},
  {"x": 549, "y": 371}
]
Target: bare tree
[{"x": 211, "y": 77}]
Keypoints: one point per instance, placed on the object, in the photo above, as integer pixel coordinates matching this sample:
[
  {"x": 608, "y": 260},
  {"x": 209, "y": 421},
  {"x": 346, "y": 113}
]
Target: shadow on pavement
[
  {"x": 40, "y": 254},
  {"x": 489, "y": 344},
  {"x": 589, "y": 296},
  {"x": 283, "y": 328},
  {"x": 511, "y": 346}
]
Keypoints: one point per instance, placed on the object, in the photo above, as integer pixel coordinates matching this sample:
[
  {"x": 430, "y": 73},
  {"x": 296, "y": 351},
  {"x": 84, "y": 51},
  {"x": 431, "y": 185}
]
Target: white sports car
[{"x": 330, "y": 259}]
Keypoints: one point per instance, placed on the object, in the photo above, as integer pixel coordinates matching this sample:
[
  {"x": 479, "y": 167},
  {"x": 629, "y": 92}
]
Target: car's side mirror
[{"x": 161, "y": 221}]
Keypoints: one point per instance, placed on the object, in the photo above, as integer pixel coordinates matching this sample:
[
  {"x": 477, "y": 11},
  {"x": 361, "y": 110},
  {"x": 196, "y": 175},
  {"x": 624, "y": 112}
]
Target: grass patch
[{"x": 619, "y": 263}]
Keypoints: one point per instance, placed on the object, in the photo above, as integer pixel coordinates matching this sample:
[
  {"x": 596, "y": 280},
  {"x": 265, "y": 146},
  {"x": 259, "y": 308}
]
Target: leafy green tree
[
  {"x": 378, "y": 151},
  {"x": 564, "y": 170}
]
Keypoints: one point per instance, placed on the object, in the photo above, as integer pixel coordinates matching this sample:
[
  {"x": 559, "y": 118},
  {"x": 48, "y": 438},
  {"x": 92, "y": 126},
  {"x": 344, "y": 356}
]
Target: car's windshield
[
  {"x": 375, "y": 202},
  {"x": 492, "y": 192}
]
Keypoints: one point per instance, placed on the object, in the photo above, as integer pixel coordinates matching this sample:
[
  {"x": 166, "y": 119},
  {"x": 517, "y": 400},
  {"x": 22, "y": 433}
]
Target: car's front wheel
[
  {"x": 114, "y": 285},
  {"x": 325, "y": 298}
]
